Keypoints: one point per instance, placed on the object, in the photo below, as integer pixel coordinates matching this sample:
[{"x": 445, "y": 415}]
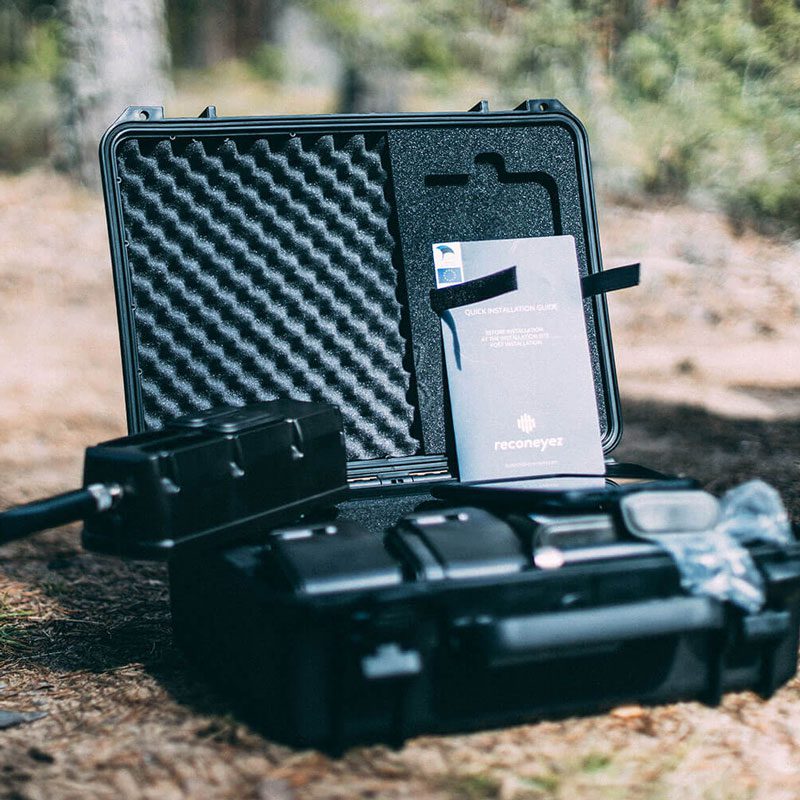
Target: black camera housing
[{"x": 211, "y": 478}]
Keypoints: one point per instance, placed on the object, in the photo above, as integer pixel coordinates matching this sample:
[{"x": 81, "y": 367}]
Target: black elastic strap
[
  {"x": 474, "y": 291},
  {"x": 609, "y": 280},
  {"x": 505, "y": 281}
]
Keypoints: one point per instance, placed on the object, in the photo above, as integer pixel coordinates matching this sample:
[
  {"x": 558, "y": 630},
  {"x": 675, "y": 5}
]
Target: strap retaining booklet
[{"x": 518, "y": 366}]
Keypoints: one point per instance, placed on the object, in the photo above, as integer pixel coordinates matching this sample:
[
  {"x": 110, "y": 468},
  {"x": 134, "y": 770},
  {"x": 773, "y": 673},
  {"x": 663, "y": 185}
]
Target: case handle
[{"x": 533, "y": 637}]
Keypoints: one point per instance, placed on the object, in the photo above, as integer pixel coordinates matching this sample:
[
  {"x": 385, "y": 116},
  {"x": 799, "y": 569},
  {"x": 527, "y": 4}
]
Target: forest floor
[{"x": 708, "y": 355}]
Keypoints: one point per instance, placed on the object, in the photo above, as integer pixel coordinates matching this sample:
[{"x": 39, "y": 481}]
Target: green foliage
[
  {"x": 547, "y": 783},
  {"x": 13, "y": 633},
  {"x": 696, "y": 97},
  {"x": 30, "y": 60},
  {"x": 710, "y": 90},
  {"x": 435, "y": 36},
  {"x": 268, "y": 62},
  {"x": 27, "y": 123},
  {"x": 29, "y": 51},
  {"x": 595, "y": 762},
  {"x": 426, "y": 50},
  {"x": 552, "y": 35},
  {"x": 704, "y": 94},
  {"x": 767, "y": 195},
  {"x": 646, "y": 68},
  {"x": 478, "y": 786}
]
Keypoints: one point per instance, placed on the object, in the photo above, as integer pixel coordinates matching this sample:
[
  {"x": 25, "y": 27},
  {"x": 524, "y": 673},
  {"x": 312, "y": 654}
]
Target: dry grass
[{"x": 87, "y": 639}]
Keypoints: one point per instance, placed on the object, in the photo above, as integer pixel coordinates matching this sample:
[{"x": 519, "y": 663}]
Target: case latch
[
  {"x": 540, "y": 106},
  {"x": 140, "y": 114},
  {"x": 390, "y": 661},
  {"x": 766, "y": 626}
]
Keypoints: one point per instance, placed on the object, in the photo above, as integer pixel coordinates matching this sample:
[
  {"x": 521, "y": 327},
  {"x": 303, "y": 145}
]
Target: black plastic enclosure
[
  {"x": 262, "y": 257},
  {"x": 209, "y": 479},
  {"x": 364, "y": 665}
]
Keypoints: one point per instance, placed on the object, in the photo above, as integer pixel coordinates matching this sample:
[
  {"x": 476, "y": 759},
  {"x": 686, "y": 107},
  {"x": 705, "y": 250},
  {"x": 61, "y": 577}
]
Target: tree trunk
[
  {"x": 368, "y": 89},
  {"x": 116, "y": 56},
  {"x": 205, "y": 32}
]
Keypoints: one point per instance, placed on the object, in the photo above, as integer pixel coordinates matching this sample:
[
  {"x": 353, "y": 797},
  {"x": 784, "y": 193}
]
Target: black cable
[{"x": 21, "y": 521}]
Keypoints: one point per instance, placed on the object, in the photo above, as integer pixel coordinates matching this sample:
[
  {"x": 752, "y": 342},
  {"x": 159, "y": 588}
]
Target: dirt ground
[{"x": 709, "y": 363}]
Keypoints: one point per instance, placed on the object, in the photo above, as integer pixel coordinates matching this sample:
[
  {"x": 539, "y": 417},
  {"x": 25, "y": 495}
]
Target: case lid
[{"x": 265, "y": 257}]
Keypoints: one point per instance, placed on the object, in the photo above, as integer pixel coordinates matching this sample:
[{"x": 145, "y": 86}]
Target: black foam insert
[
  {"x": 262, "y": 267},
  {"x": 270, "y": 264},
  {"x": 378, "y": 513},
  {"x": 471, "y": 183}
]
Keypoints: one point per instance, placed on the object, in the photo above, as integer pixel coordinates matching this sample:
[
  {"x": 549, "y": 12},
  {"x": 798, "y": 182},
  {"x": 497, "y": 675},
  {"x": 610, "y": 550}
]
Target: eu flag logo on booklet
[{"x": 447, "y": 260}]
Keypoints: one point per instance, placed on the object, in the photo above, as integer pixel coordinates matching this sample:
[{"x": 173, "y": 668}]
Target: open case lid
[{"x": 262, "y": 257}]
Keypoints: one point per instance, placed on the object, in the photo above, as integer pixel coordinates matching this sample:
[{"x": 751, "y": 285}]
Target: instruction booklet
[{"x": 518, "y": 366}]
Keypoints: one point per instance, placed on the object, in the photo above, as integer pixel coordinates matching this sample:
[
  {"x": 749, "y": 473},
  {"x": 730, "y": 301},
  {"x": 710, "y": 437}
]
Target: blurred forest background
[
  {"x": 693, "y": 112},
  {"x": 692, "y": 109},
  {"x": 696, "y": 99}
]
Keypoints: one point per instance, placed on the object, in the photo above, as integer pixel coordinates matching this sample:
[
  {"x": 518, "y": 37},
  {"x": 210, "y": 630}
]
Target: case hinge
[
  {"x": 395, "y": 472},
  {"x": 398, "y": 479}
]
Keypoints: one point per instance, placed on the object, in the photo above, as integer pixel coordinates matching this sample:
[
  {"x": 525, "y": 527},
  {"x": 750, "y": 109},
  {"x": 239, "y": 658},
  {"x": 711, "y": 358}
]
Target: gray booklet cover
[{"x": 518, "y": 366}]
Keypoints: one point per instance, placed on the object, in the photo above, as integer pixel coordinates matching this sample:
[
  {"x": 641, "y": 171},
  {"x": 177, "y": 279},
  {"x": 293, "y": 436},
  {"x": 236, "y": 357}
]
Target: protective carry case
[{"x": 291, "y": 257}]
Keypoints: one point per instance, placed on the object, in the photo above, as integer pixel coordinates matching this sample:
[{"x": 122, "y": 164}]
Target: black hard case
[{"x": 291, "y": 256}]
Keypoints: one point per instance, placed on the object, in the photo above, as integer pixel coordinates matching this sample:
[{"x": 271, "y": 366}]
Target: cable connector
[
  {"x": 106, "y": 495},
  {"x": 21, "y": 521}
]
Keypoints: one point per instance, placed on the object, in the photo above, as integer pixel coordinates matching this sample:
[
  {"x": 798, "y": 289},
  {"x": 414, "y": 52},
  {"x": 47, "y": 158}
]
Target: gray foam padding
[
  {"x": 263, "y": 267},
  {"x": 472, "y": 183}
]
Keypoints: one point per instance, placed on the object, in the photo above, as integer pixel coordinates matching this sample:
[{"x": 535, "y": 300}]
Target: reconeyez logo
[
  {"x": 526, "y": 423},
  {"x": 530, "y": 444}
]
